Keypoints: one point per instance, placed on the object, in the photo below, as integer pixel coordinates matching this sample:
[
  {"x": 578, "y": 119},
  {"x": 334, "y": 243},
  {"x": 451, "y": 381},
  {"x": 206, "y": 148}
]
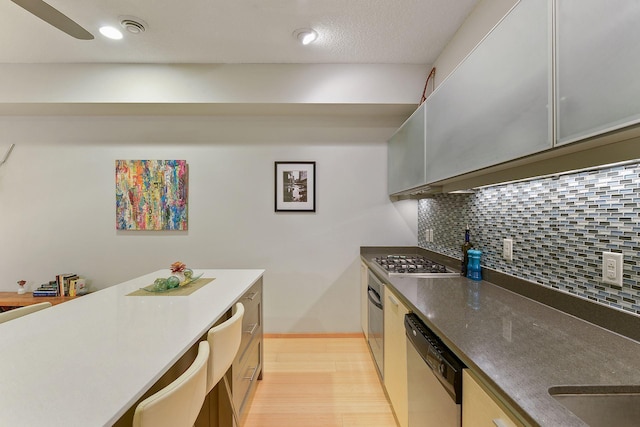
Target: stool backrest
[
  {"x": 224, "y": 342},
  {"x": 179, "y": 403},
  {"x": 23, "y": 311}
]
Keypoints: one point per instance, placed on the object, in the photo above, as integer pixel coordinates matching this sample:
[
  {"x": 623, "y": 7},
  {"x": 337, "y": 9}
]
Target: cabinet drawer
[
  {"x": 252, "y": 297},
  {"x": 251, "y": 327},
  {"x": 246, "y": 375},
  {"x": 252, "y": 321}
]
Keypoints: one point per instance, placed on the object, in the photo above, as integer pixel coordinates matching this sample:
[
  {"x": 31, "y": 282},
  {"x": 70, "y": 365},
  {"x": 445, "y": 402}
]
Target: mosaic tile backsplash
[{"x": 559, "y": 225}]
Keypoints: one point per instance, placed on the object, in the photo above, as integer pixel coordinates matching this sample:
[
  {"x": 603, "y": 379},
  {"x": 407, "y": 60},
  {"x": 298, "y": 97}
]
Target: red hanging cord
[{"x": 431, "y": 75}]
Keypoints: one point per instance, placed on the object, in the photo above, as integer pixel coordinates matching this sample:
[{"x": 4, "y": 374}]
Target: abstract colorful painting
[{"x": 151, "y": 194}]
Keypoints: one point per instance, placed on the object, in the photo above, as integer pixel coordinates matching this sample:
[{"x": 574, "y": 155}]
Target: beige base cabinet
[
  {"x": 480, "y": 408},
  {"x": 395, "y": 356},
  {"x": 364, "y": 299},
  {"x": 247, "y": 367}
]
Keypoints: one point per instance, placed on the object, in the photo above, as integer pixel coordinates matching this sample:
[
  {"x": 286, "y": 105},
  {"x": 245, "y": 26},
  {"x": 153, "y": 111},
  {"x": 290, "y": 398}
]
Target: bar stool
[
  {"x": 22, "y": 311},
  {"x": 179, "y": 403},
  {"x": 224, "y": 342}
]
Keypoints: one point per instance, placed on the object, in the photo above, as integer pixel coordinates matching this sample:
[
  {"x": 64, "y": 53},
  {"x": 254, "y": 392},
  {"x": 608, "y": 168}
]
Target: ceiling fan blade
[{"x": 54, "y": 17}]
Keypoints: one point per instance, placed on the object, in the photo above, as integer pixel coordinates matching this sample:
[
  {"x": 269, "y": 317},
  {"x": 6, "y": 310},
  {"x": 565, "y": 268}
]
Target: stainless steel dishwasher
[
  {"x": 435, "y": 378},
  {"x": 376, "y": 323}
]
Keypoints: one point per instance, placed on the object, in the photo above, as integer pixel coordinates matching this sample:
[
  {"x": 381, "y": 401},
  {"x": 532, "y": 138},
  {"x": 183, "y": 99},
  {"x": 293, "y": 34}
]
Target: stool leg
[{"x": 230, "y": 396}]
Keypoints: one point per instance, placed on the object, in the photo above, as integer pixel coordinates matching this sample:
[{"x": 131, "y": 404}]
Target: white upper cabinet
[
  {"x": 406, "y": 154},
  {"x": 598, "y": 66},
  {"x": 495, "y": 106}
]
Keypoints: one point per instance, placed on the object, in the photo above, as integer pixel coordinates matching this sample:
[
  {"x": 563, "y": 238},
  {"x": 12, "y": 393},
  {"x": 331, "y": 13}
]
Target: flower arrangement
[
  {"x": 178, "y": 267},
  {"x": 180, "y": 270},
  {"x": 181, "y": 275}
]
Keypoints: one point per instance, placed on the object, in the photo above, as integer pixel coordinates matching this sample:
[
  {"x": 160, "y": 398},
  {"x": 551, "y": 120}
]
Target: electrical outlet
[
  {"x": 431, "y": 235},
  {"x": 507, "y": 249},
  {"x": 612, "y": 268}
]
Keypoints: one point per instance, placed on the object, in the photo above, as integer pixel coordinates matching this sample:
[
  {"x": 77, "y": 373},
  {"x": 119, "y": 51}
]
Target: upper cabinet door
[
  {"x": 406, "y": 154},
  {"x": 495, "y": 106},
  {"x": 598, "y": 66}
]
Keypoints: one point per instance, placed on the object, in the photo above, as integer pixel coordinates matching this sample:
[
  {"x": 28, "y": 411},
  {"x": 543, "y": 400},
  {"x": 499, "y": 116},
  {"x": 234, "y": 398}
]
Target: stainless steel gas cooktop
[{"x": 413, "y": 265}]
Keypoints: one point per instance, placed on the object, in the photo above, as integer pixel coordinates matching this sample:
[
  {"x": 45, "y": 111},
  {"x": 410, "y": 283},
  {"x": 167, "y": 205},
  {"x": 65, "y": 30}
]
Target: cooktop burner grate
[{"x": 413, "y": 265}]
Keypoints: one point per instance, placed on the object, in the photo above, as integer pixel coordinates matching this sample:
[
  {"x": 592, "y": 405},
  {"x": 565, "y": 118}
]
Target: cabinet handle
[
  {"x": 252, "y": 330},
  {"x": 253, "y": 374},
  {"x": 499, "y": 423},
  {"x": 393, "y": 300},
  {"x": 251, "y": 296}
]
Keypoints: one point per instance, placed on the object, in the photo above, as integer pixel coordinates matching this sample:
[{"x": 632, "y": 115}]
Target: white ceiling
[{"x": 238, "y": 31}]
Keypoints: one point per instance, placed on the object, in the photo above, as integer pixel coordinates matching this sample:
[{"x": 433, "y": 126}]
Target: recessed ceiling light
[
  {"x": 111, "y": 32},
  {"x": 305, "y": 35}
]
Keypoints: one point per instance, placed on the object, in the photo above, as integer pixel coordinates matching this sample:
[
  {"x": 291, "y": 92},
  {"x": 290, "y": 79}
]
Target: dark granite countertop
[{"x": 519, "y": 347}]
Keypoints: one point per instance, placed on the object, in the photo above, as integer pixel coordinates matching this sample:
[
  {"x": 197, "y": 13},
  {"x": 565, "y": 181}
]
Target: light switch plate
[{"x": 612, "y": 268}]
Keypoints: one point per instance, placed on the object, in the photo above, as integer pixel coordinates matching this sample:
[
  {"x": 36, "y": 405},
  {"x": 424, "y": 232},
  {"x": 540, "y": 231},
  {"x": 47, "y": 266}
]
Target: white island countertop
[{"x": 85, "y": 362}]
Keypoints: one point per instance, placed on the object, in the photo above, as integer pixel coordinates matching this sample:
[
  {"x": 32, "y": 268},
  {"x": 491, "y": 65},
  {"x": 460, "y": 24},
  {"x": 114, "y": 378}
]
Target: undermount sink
[{"x": 601, "y": 406}]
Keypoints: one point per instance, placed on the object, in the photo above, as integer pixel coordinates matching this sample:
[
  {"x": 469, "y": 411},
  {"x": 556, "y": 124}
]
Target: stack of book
[
  {"x": 47, "y": 290},
  {"x": 63, "y": 286},
  {"x": 66, "y": 284}
]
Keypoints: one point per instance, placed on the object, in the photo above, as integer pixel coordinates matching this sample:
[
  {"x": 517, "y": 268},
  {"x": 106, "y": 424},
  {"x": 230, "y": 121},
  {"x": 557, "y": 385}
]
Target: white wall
[
  {"x": 212, "y": 83},
  {"x": 57, "y": 207}
]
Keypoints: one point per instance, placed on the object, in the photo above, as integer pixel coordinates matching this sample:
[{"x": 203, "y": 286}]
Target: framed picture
[
  {"x": 295, "y": 186},
  {"x": 151, "y": 194}
]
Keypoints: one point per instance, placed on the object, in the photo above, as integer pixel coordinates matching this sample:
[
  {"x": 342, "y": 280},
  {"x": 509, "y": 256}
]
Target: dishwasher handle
[{"x": 374, "y": 297}]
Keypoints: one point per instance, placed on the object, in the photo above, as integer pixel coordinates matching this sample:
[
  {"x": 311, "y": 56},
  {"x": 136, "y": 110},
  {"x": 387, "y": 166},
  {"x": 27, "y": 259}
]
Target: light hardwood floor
[{"x": 319, "y": 382}]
